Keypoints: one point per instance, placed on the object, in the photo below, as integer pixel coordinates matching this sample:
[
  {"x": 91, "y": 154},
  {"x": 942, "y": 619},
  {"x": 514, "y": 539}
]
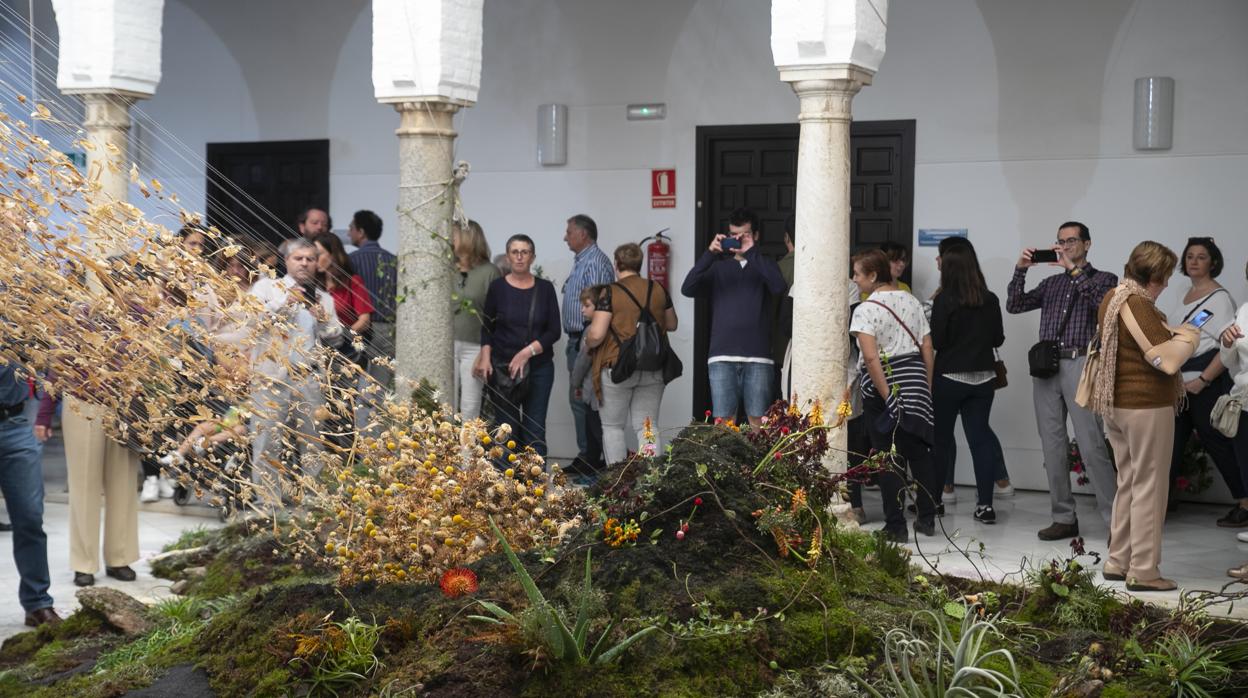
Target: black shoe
[
  {"x": 5, "y": 526},
  {"x": 83, "y": 579},
  {"x": 927, "y": 528},
  {"x": 898, "y": 536},
  {"x": 1237, "y": 517},
  {"x": 985, "y": 514},
  {"x": 40, "y": 616},
  {"x": 580, "y": 466},
  {"x": 123, "y": 573},
  {"x": 940, "y": 509},
  {"x": 1058, "y": 531}
]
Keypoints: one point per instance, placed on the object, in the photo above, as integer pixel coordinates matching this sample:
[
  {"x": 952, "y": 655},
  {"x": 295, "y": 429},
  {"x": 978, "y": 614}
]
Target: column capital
[
  {"x": 826, "y": 92},
  {"x": 426, "y": 118},
  {"x": 107, "y": 109}
]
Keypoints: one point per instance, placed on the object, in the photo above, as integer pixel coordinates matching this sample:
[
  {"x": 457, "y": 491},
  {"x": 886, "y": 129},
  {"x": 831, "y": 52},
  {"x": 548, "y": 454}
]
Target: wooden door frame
[{"x": 705, "y": 136}]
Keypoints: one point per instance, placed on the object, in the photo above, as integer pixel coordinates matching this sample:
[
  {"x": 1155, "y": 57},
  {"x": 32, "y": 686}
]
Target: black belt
[
  {"x": 1072, "y": 353},
  {"x": 12, "y": 410}
]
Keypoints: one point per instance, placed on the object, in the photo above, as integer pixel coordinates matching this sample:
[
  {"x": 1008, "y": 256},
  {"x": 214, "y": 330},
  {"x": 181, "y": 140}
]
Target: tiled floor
[{"x": 1195, "y": 552}]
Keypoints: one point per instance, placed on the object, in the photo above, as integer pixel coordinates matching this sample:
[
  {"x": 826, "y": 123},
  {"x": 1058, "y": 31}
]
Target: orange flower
[{"x": 458, "y": 582}]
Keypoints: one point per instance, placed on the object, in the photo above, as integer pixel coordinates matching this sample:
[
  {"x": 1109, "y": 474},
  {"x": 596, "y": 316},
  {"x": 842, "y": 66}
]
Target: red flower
[
  {"x": 697, "y": 501},
  {"x": 1182, "y": 483},
  {"x": 707, "y": 413},
  {"x": 458, "y": 582}
]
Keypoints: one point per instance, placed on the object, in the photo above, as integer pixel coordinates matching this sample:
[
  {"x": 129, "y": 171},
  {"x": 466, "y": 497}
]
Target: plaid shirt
[{"x": 1056, "y": 295}]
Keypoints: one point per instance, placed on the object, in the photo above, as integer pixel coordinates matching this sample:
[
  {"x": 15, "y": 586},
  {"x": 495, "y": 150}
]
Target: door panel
[{"x": 256, "y": 190}]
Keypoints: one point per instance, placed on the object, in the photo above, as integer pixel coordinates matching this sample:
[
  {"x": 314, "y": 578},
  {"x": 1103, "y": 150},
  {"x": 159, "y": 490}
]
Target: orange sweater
[{"x": 1137, "y": 385}]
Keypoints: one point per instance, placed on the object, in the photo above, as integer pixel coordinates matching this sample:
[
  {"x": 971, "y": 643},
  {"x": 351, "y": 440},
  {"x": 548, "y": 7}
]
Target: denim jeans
[
  {"x": 735, "y": 381},
  {"x": 528, "y": 421},
  {"x": 21, "y": 481},
  {"x": 578, "y": 407},
  {"x": 974, "y": 403},
  {"x": 1227, "y": 455}
]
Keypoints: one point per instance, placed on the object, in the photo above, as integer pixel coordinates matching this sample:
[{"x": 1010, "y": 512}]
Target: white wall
[{"x": 1023, "y": 112}]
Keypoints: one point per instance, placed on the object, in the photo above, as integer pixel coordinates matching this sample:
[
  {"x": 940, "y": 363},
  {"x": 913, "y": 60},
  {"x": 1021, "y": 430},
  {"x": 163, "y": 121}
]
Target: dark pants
[
  {"x": 528, "y": 420},
  {"x": 593, "y": 438},
  {"x": 974, "y": 404},
  {"x": 912, "y": 454},
  {"x": 1230, "y": 458},
  {"x": 21, "y": 481},
  {"x": 858, "y": 443}
]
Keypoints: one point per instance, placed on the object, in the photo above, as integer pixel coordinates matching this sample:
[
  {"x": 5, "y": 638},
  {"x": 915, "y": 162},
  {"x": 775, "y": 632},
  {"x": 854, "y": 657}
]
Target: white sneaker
[
  {"x": 166, "y": 487},
  {"x": 1242, "y": 536},
  {"x": 999, "y": 491},
  {"x": 949, "y": 497},
  {"x": 151, "y": 489},
  {"x": 171, "y": 458}
]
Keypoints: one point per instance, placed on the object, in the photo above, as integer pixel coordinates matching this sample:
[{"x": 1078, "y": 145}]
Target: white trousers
[{"x": 626, "y": 405}]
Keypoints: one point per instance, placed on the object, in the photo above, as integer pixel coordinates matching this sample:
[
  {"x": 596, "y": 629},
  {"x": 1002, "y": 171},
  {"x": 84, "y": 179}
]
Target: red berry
[
  {"x": 697, "y": 501},
  {"x": 680, "y": 535},
  {"x": 684, "y": 527}
]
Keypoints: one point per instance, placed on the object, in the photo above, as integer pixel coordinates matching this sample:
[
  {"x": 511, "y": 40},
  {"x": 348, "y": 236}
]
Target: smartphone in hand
[
  {"x": 1201, "y": 318},
  {"x": 729, "y": 244},
  {"x": 1044, "y": 256}
]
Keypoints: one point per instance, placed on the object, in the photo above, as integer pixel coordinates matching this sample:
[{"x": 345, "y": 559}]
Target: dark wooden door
[
  {"x": 755, "y": 166},
  {"x": 256, "y": 190}
]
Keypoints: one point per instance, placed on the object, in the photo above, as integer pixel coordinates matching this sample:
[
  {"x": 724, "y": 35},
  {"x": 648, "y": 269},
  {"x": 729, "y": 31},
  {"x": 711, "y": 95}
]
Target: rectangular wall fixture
[
  {"x": 1153, "y": 127},
  {"x": 552, "y": 134},
  {"x": 647, "y": 112}
]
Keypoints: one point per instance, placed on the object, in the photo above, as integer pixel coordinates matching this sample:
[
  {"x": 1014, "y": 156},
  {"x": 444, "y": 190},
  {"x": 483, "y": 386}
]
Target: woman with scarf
[
  {"x": 897, "y": 362},
  {"x": 1137, "y": 400}
]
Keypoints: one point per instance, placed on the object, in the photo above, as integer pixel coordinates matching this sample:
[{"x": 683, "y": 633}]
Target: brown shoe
[
  {"x": 39, "y": 616},
  {"x": 1240, "y": 572},
  {"x": 1113, "y": 575},
  {"x": 1059, "y": 531},
  {"x": 1158, "y": 584}
]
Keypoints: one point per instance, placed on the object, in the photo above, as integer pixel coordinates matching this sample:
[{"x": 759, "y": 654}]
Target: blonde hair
[
  {"x": 628, "y": 257},
  {"x": 1150, "y": 262},
  {"x": 472, "y": 244}
]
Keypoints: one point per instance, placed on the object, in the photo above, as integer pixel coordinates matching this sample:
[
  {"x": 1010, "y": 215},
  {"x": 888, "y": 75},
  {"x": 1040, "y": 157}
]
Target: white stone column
[
  {"x": 107, "y": 121},
  {"x": 820, "y": 341},
  {"x": 423, "y": 332}
]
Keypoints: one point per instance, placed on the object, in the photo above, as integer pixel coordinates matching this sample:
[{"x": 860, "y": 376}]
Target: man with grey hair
[
  {"x": 591, "y": 267},
  {"x": 286, "y": 362}
]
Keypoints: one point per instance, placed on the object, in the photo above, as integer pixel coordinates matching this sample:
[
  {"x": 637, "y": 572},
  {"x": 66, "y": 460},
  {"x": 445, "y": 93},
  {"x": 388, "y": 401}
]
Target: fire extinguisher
[{"x": 657, "y": 255}]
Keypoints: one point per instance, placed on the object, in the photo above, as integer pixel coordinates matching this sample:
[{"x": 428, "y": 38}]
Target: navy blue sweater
[
  {"x": 739, "y": 323},
  {"x": 505, "y": 319}
]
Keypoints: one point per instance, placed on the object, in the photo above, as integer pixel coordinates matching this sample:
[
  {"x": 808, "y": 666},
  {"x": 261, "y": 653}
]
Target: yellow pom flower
[
  {"x": 511, "y": 458},
  {"x": 486, "y": 440},
  {"x": 509, "y": 472},
  {"x": 511, "y": 444}
]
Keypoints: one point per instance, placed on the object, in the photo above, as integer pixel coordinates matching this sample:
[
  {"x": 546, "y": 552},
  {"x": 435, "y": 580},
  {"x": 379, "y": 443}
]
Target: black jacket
[{"x": 964, "y": 337}]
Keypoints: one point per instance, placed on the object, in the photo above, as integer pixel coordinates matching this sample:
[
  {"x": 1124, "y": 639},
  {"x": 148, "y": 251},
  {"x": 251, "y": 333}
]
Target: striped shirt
[
  {"x": 380, "y": 271},
  {"x": 590, "y": 268},
  {"x": 1058, "y": 294},
  {"x": 909, "y": 403}
]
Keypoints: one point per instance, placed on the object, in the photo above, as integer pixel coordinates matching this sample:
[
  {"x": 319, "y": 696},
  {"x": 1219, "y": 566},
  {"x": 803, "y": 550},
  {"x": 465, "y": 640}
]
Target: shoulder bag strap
[
  {"x": 899, "y": 322},
  {"x": 537, "y": 288},
  {"x": 649, "y": 289},
  {"x": 1134, "y": 327},
  {"x": 1202, "y": 302}
]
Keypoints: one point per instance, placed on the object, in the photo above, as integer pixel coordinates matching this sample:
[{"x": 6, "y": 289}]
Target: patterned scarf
[{"x": 1103, "y": 388}]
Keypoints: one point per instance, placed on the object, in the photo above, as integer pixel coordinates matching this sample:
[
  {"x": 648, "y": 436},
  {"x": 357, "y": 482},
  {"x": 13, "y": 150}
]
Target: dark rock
[
  {"x": 181, "y": 681},
  {"x": 119, "y": 609}
]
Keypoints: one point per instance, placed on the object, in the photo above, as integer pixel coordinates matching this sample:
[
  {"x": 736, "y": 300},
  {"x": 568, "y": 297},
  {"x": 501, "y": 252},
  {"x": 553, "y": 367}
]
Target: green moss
[
  {"x": 193, "y": 538},
  {"x": 221, "y": 577}
]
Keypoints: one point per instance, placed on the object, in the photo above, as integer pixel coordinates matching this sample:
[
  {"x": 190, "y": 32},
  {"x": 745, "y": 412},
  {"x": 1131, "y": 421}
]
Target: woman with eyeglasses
[
  {"x": 1205, "y": 378},
  {"x": 520, "y": 325}
]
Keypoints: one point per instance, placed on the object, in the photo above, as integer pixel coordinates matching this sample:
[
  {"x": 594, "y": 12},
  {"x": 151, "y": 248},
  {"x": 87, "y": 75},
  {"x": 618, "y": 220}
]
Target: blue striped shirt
[
  {"x": 591, "y": 268},
  {"x": 380, "y": 271}
]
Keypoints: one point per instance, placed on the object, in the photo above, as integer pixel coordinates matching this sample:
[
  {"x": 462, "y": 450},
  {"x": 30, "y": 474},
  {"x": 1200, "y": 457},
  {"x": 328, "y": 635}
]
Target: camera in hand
[
  {"x": 1043, "y": 256},
  {"x": 729, "y": 243}
]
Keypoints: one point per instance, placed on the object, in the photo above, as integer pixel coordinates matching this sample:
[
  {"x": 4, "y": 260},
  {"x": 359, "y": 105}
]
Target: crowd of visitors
[{"x": 1134, "y": 382}]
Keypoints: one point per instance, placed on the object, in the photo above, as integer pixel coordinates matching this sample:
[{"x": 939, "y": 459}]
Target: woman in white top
[
  {"x": 892, "y": 332},
  {"x": 1204, "y": 376}
]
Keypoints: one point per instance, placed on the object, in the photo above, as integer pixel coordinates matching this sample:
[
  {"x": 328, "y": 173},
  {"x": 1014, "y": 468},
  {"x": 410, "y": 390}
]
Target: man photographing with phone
[
  {"x": 736, "y": 277},
  {"x": 1068, "y": 304}
]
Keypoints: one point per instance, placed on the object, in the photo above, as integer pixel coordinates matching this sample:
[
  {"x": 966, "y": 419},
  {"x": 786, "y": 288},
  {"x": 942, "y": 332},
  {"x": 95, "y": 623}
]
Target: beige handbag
[
  {"x": 1091, "y": 369},
  {"x": 1167, "y": 357},
  {"x": 1226, "y": 411}
]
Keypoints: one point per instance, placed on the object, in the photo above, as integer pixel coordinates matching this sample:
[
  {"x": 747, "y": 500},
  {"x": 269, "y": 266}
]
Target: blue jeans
[
  {"x": 974, "y": 403},
  {"x": 528, "y": 423},
  {"x": 734, "y": 381},
  {"x": 578, "y": 408},
  {"x": 21, "y": 481}
]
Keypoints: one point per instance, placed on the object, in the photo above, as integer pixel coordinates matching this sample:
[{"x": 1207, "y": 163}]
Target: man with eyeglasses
[{"x": 1068, "y": 304}]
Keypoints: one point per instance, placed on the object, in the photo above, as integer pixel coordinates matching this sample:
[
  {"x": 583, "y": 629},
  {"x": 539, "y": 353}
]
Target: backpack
[{"x": 647, "y": 349}]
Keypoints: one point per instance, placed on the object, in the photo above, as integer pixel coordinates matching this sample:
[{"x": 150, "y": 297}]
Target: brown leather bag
[{"x": 1002, "y": 380}]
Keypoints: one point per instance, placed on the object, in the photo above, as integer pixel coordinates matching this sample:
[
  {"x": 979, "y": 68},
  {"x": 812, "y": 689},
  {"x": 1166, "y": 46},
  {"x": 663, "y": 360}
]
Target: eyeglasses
[
  {"x": 1069, "y": 242},
  {"x": 520, "y": 253}
]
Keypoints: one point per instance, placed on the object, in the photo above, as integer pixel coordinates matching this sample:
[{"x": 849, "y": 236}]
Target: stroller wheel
[{"x": 181, "y": 496}]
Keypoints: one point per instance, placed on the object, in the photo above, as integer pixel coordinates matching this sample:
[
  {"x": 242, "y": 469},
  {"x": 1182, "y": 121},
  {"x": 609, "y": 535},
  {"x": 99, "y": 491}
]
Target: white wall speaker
[
  {"x": 552, "y": 134},
  {"x": 1153, "y": 127}
]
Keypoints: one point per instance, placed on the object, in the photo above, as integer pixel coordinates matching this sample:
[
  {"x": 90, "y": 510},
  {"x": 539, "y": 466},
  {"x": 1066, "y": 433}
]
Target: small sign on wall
[
  {"x": 662, "y": 188},
  {"x": 931, "y": 237}
]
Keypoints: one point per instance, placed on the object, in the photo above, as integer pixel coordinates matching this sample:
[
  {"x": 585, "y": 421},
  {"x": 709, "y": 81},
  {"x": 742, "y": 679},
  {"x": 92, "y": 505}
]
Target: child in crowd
[{"x": 583, "y": 380}]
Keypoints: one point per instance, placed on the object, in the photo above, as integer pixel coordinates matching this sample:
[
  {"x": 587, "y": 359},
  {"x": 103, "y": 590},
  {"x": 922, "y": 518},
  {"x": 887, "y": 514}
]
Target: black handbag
[
  {"x": 513, "y": 390},
  {"x": 647, "y": 349},
  {"x": 1044, "y": 359}
]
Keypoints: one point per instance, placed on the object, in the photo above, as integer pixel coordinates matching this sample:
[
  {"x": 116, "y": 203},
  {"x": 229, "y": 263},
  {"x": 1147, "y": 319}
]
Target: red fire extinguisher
[{"x": 657, "y": 255}]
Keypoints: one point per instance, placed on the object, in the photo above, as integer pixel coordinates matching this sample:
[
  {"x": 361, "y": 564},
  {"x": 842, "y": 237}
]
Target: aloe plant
[
  {"x": 563, "y": 643},
  {"x": 944, "y": 668}
]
